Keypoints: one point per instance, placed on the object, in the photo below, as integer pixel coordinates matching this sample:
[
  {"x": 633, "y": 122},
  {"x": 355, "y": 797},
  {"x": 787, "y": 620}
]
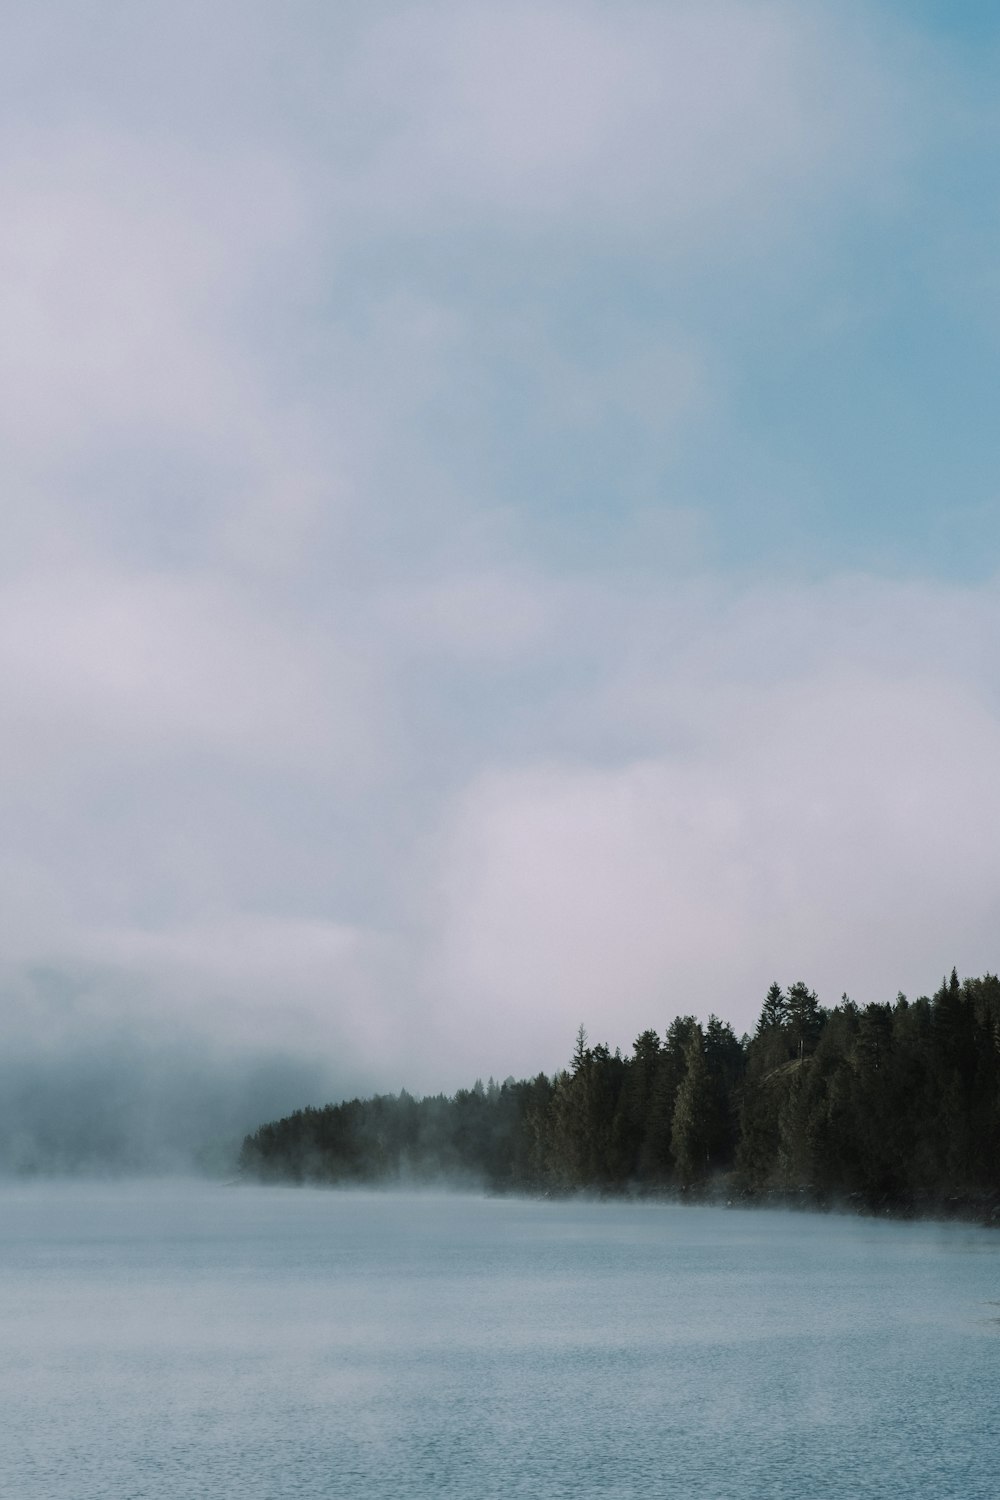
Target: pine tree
[
  {"x": 805, "y": 1018},
  {"x": 774, "y": 1011},
  {"x": 691, "y": 1137}
]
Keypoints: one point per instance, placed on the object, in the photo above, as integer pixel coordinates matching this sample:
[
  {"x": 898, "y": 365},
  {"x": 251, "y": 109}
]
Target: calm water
[{"x": 208, "y": 1341}]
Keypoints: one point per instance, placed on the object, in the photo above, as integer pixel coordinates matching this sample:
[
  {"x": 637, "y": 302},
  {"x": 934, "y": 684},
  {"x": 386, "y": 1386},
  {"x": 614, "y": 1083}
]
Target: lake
[{"x": 179, "y": 1339}]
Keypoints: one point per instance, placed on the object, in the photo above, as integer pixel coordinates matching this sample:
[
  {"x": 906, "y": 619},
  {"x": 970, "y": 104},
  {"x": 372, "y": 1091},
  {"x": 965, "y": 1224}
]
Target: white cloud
[
  {"x": 305, "y": 736},
  {"x": 165, "y": 666},
  {"x": 298, "y": 985},
  {"x": 121, "y": 263},
  {"x": 473, "y": 616},
  {"x": 237, "y": 325},
  {"x": 825, "y": 820},
  {"x": 668, "y": 118},
  {"x": 703, "y": 792}
]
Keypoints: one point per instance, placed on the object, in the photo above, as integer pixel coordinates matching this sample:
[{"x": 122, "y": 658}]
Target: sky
[{"x": 500, "y": 524}]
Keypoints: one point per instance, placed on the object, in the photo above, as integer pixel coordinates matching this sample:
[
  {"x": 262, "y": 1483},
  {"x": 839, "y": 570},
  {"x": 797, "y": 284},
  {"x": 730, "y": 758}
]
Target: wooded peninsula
[{"x": 886, "y": 1107}]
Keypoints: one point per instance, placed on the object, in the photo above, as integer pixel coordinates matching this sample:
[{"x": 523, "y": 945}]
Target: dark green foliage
[
  {"x": 771, "y": 1040},
  {"x": 893, "y": 1105},
  {"x": 774, "y": 1011},
  {"x": 694, "y": 1111},
  {"x": 805, "y": 1019}
]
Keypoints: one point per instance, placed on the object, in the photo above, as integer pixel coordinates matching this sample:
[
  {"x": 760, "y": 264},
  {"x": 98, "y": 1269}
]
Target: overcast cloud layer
[{"x": 500, "y": 524}]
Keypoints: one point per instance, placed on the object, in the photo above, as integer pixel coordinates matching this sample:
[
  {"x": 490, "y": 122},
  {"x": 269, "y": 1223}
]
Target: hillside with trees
[{"x": 887, "y": 1107}]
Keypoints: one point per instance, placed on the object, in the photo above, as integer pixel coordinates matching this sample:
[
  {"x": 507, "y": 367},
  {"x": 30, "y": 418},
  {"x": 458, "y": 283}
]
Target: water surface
[{"x": 196, "y": 1340}]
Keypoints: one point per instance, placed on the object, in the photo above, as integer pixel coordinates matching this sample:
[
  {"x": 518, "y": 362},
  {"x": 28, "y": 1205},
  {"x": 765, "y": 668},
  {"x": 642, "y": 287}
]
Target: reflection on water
[{"x": 189, "y": 1340}]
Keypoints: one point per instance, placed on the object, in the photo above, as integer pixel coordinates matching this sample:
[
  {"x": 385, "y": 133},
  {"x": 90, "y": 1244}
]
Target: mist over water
[
  {"x": 499, "y": 531},
  {"x": 112, "y": 1104},
  {"x": 187, "y": 1339}
]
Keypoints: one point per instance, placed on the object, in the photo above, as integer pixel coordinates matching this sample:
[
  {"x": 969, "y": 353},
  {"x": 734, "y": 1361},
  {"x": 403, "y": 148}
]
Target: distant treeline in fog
[{"x": 894, "y": 1105}]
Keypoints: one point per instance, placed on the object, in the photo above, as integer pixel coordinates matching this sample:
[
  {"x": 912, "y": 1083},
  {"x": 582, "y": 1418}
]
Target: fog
[
  {"x": 122, "y": 1106},
  {"x": 85, "y": 1089},
  {"x": 498, "y": 532}
]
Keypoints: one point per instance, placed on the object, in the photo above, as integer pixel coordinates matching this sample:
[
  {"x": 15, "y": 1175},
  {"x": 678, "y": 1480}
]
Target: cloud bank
[{"x": 461, "y": 572}]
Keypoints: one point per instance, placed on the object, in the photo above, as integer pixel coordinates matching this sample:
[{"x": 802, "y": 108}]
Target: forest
[{"x": 887, "y": 1107}]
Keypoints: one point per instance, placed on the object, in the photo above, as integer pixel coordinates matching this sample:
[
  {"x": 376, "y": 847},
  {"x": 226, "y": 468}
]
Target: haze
[{"x": 500, "y": 530}]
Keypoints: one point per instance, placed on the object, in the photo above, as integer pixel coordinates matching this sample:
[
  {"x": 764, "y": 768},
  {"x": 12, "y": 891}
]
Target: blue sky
[{"x": 501, "y": 520}]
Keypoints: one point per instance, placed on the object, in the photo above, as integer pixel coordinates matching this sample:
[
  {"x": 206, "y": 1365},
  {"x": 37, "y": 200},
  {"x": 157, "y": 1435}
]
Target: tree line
[{"x": 893, "y": 1106}]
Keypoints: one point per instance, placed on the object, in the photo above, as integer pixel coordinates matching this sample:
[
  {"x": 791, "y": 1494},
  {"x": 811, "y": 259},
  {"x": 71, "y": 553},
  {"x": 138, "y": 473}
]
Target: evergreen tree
[
  {"x": 888, "y": 1105},
  {"x": 774, "y": 1011},
  {"x": 691, "y": 1137},
  {"x": 770, "y": 1047},
  {"x": 637, "y": 1103},
  {"x": 805, "y": 1018},
  {"x": 725, "y": 1060}
]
